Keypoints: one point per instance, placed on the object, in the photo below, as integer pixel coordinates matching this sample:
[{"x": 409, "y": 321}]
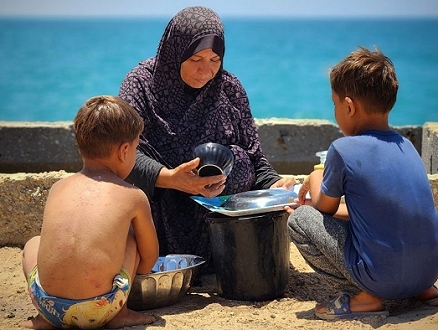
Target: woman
[{"x": 186, "y": 98}]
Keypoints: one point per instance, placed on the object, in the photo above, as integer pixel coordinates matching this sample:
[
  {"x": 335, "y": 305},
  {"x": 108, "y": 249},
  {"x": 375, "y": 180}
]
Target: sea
[{"x": 49, "y": 66}]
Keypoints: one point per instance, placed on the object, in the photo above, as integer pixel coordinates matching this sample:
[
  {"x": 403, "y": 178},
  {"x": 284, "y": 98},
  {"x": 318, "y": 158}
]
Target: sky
[{"x": 225, "y": 8}]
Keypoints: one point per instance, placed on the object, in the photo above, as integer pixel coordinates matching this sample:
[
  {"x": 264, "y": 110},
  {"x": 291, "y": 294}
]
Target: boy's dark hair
[
  {"x": 104, "y": 122},
  {"x": 367, "y": 76}
]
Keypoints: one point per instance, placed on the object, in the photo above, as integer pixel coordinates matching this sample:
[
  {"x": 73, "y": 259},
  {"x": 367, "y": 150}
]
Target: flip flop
[
  {"x": 432, "y": 302},
  {"x": 339, "y": 308}
]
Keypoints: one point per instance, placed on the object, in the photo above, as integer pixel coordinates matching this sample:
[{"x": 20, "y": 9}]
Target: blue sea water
[{"x": 49, "y": 67}]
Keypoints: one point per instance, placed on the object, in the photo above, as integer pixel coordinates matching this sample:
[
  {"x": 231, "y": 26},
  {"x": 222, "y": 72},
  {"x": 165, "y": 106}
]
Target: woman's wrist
[{"x": 164, "y": 178}]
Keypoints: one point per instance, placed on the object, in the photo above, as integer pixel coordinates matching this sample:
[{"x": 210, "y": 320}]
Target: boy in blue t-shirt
[{"x": 383, "y": 242}]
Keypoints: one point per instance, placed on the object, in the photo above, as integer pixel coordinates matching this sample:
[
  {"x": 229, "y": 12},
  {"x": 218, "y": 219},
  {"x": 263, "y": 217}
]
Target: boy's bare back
[
  {"x": 97, "y": 231},
  {"x": 86, "y": 223}
]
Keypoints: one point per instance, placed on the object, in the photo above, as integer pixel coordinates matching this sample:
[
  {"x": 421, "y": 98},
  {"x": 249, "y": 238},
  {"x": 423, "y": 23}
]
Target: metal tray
[{"x": 251, "y": 202}]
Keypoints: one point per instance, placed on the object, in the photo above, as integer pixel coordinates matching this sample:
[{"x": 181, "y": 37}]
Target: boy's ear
[
  {"x": 351, "y": 106},
  {"x": 123, "y": 151}
]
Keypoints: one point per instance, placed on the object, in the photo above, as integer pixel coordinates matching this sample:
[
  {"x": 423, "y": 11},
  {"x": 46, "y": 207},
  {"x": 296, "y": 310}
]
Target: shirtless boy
[{"x": 97, "y": 230}]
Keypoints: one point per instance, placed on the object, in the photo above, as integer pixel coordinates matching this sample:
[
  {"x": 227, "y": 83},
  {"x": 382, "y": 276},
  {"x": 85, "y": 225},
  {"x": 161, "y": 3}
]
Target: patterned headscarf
[
  {"x": 177, "y": 119},
  {"x": 190, "y": 28}
]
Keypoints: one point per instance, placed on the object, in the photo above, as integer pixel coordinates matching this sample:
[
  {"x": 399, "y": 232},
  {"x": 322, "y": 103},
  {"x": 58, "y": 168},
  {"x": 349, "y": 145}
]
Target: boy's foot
[
  {"x": 346, "y": 307},
  {"x": 37, "y": 322},
  {"x": 429, "y": 296},
  {"x": 129, "y": 318}
]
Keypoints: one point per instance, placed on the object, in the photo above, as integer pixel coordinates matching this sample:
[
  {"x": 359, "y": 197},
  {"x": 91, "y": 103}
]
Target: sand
[{"x": 203, "y": 309}]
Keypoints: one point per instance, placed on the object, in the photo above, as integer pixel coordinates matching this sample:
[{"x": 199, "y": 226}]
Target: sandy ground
[{"x": 203, "y": 309}]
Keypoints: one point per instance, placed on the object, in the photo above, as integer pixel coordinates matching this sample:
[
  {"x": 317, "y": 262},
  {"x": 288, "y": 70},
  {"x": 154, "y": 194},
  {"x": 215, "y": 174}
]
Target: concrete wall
[
  {"x": 429, "y": 152},
  {"x": 23, "y": 196},
  {"x": 290, "y": 145},
  {"x": 22, "y": 200},
  {"x": 48, "y": 153},
  {"x": 38, "y": 147}
]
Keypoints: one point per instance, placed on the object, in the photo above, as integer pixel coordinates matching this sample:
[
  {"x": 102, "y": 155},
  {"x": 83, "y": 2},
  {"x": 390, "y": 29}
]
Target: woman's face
[{"x": 200, "y": 68}]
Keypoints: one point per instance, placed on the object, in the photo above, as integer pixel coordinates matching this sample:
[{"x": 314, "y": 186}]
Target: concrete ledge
[
  {"x": 429, "y": 152},
  {"x": 22, "y": 200},
  {"x": 38, "y": 147},
  {"x": 290, "y": 145},
  {"x": 47, "y": 151},
  {"x": 23, "y": 196}
]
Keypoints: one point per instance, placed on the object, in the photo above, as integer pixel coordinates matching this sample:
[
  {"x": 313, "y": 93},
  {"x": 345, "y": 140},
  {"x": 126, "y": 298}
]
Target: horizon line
[{"x": 162, "y": 16}]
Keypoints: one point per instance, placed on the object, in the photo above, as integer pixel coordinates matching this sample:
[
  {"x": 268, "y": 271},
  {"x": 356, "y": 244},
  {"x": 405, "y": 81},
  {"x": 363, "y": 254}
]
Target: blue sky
[{"x": 167, "y": 8}]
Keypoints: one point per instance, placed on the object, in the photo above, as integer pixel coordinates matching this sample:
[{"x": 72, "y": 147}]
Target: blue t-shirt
[{"x": 392, "y": 246}]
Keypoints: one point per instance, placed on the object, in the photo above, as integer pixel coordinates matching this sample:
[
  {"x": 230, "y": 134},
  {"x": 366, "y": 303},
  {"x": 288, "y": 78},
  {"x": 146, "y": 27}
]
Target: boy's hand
[
  {"x": 289, "y": 209},
  {"x": 305, "y": 188}
]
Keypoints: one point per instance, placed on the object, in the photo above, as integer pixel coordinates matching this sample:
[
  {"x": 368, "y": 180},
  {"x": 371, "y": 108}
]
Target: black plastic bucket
[{"x": 250, "y": 255}]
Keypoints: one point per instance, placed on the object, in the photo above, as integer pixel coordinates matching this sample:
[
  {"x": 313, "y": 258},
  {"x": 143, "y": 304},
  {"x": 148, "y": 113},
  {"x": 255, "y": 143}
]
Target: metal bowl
[
  {"x": 169, "y": 281},
  {"x": 215, "y": 158}
]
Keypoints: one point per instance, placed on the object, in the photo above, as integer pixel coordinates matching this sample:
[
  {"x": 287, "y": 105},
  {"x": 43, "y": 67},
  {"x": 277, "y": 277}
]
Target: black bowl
[{"x": 215, "y": 158}]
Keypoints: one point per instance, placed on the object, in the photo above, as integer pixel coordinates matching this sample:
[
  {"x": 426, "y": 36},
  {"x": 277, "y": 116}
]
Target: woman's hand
[
  {"x": 184, "y": 178},
  {"x": 284, "y": 182}
]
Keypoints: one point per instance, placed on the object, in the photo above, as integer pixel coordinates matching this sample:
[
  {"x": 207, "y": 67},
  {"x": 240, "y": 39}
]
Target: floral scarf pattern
[{"x": 177, "y": 119}]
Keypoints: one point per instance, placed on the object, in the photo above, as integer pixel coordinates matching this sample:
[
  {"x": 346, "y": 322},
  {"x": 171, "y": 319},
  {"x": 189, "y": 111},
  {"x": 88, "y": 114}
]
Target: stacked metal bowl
[
  {"x": 170, "y": 279},
  {"x": 215, "y": 159}
]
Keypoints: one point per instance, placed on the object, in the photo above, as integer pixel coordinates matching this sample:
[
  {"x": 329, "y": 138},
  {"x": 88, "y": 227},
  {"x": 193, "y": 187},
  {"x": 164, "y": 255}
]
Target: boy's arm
[
  {"x": 342, "y": 212},
  {"x": 145, "y": 234},
  {"x": 320, "y": 201}
]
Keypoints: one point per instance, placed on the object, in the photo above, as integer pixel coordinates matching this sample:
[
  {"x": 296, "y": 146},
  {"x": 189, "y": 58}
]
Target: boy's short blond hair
[
  {"x": 102, "y": 123},
  {"x": 368, "y": 76}
]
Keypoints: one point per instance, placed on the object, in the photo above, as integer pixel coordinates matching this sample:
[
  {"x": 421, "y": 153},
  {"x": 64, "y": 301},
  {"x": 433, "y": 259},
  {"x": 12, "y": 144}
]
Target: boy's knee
[
  {"x": 300, "y": 216},
  {"x": 32, "y": 243},
  {"x": 300, "y": 220},
  {"x": 293, "y": 224},
  {"x": 292, "y": 221}
]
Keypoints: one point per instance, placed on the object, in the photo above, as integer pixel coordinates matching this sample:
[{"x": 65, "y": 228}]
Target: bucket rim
[{"x": 219, "y": 217}]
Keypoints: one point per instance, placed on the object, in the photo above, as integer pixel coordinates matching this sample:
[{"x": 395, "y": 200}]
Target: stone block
[{"x": 429, "y": 152}]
